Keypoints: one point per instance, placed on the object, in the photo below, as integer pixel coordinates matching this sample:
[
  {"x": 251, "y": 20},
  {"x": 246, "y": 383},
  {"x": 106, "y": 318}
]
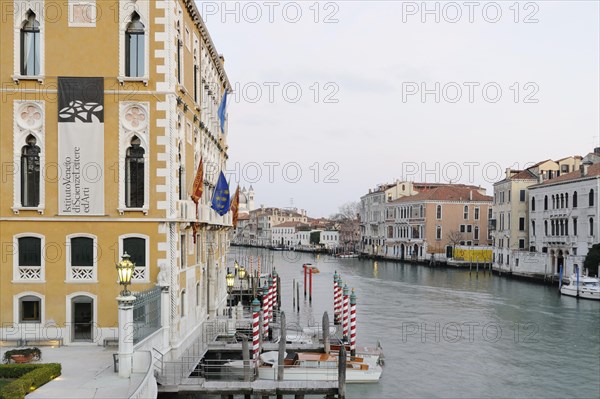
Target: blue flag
[
  {"x": 221, "y": 111},
  {"x": 220, "y": 199}
]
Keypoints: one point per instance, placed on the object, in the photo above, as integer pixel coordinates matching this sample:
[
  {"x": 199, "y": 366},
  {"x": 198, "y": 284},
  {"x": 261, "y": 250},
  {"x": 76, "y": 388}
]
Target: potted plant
[{"x": 22, "y": 355}]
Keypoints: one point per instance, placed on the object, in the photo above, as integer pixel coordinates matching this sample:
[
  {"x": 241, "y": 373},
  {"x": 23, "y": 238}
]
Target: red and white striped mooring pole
[
  {"x": 270, "y": 300},
  {"x": 338, "y": 299},
  {"x": 346, "y": 314},
  {"x": 352, "y": 324},
  {"x": 335, "y": 306},
  {"x": 265, "y": 312},
  {"x": 255, "y": 330},
  {"x": 274, "y": 298}
]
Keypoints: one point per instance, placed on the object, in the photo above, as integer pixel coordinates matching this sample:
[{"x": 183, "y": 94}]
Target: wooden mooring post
[
  {"x": 326, "y": 332},
  {"x": 342, "y": 373},
  {"x": 298, "y": 296},
  {"x": 281, "y": 354},
  {"x": 246, "y": 358}
]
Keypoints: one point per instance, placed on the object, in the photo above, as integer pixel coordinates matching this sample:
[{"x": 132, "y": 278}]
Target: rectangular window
[
  {"x": 183, "y": 252},
  {"x": 136, "y": 248},
  {"x": 30, "y": 309},
  {"x": 29, "y": 259},
  {"x": 489, "y": 213},
  {"x": 466, "y": 212},
  {"x": 508, "y": 200},
  {"x": 476, "y": 216},
  {"x": 575, "y": 226},
  {"x": 462, "y": 228},
  {"x": 521, "y": 243},
  {"x": 522, "y": 195},
  {"x": 469, "y": 228},
  {"x": 521, "y": 224}
]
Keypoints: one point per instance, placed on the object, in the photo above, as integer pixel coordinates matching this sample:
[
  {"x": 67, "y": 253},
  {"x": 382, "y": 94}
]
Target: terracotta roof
[
  {"x": 539, "y": 163},
  {"x": 593, "y": 170},
  {"x": 524, "y": 175},
  {"x": 446, "y": 193}
]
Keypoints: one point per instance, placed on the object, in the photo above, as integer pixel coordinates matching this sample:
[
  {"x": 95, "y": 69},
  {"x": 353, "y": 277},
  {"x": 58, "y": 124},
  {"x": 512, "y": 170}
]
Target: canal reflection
[{"x": 451, "y": 333}]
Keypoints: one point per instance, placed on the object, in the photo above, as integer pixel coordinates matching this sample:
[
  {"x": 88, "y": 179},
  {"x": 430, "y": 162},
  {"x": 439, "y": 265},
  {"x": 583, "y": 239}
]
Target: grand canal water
[{"x": 449, "y": 334}]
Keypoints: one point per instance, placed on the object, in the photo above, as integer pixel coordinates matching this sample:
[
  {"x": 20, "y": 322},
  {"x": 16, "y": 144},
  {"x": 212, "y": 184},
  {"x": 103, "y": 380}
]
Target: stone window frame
[
  {"x": 126, "y": 133},
  {"x": 16, "y": 274},
  {"x": 68, "y": 264},
  {"x": 19, "y": 17},
  {"x": 20, "y": 134}
]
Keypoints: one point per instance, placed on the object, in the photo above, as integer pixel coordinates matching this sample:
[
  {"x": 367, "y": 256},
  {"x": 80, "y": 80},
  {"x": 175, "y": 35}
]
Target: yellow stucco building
[{"x": 107, "y": 108}]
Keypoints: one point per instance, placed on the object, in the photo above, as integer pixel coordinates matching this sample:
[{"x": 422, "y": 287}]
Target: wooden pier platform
[{"x": 263, "y": 388}]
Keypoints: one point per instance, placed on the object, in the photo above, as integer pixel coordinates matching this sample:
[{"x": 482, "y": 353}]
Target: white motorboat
[
  {"x": 313, "y": 366},
  {"x": 588, "y": 288},
  {"x": 347, "y": 255}
]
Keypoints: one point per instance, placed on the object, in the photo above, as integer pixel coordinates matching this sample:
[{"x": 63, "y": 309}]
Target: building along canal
[{"x": 450, "y": 333}]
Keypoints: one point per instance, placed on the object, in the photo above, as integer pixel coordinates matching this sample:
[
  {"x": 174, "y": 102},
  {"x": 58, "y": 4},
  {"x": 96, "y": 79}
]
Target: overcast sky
[{"x": 335, "y": 91}]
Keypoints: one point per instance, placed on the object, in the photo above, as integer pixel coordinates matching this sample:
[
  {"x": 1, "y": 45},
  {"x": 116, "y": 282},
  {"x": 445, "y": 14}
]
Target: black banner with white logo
[{"x": 81, "y": 146}]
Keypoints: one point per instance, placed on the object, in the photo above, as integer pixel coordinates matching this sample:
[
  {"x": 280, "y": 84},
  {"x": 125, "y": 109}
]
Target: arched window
[
  {"x": 591, "y": 195},
  {"x": 476, "y": 233},
  {"x": 466, "y": 212},
  {"x": 134, "y": 47},
  {"x": 562, "y": 201},
  {"x": 592, "y": 227},
  {"x": 545, "y": 227},
  {"x": 28, "y": 261},
  {"x": 533, "y": 203},
  {"x": 438, "y": 212},
  {"x": 196, "y": 78},
  {"x": 137, "y": 248},
  {"x": 198, "y": 294},
  {"x": 30, "y": 173},
  {"x": 553, "y": 202},
  {"x": 81, "y": 258},
  {"x": 566, "y": 200},
  {"x": 30, "y": 46},
  {"x": 179, "y": 53},
  {"x": 575, "y": 199},
  {"x": 533, "y": 227},
  {"x": 134, "y": 174},
  {"x": 183, "y": 305},
  {"x": 545, "y": 202}
]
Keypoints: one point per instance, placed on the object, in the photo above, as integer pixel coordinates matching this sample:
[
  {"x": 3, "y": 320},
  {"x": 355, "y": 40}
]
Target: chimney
[
  {"x": 470, "y": 195},
  {"x": 584, "y": 168},
  {"x": 508, "y": 173}
]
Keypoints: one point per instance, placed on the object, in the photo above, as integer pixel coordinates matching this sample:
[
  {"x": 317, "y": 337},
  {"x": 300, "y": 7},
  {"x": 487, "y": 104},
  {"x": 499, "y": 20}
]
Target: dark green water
[{"x": 448, "y": 334}]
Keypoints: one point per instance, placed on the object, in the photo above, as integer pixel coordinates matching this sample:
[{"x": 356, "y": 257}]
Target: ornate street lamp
[
  {"x": 242, "y": 276},
  {"x": 229, "y": 279},
  {"x": 125, "y": 271},
  {"x": 125, "y": 316}
]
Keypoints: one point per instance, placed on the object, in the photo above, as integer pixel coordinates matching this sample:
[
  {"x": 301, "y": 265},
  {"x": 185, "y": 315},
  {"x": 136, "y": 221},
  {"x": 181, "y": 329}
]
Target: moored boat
[
  {"x": 303, "y": 366},
  {"x": 582, "y": 287}
]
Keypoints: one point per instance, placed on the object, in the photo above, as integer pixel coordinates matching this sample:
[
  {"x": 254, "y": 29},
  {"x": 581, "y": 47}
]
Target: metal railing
[{"x": 146, "y": 313}]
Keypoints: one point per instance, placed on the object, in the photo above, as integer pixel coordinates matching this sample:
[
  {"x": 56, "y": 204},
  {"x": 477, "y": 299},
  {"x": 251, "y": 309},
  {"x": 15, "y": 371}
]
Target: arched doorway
[
  {"x": 560, "y": 262},
  {"x": 401, "y": 251},
  {"x": 82, "y": 318}
]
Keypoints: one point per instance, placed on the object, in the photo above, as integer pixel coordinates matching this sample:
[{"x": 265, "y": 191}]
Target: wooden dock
[{"x": 262, "y": 388}]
